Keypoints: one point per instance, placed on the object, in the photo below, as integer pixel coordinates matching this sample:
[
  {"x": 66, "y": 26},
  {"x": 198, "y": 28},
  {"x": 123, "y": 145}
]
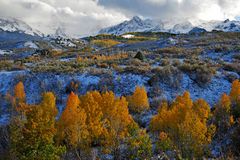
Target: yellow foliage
[
  {"x": 72, "y": 126},
  {"x": 185, "y": 123},
  {"x": 222, "y": 113},
  {"x": 19, "y": 93},
  {"x": 235, "y": 91},
  {"x": 107, "y": 117},
  {"x": 138, "y": 102}
]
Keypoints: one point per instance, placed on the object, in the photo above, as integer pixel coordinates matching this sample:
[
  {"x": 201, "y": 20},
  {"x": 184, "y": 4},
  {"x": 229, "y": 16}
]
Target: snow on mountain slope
[
  {"x": 182, "y": 28},
  {"x": 229, "y": 26},
  {"x": 15, "y": 25},
  {"x": 136, "y": 24}
]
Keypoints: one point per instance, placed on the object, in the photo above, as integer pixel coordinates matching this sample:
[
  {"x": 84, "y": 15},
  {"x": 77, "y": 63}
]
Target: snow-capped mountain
[
  {"x": 136, "y": 24},
  {"x": 15, "y": 25},
  {"x": 184, "y": 27},
  {"x": 61, "y": 32},
  {"x": 229, "y": 26}
]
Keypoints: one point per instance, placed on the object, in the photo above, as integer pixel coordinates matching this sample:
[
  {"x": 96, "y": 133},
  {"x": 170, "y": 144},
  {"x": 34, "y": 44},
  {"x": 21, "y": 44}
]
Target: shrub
[
  {"x": 164, "y": 143},
  {"x": 105, "y": 42},
  {"x": 168, "y": 75},
  {"x": 139, "y": 145}
]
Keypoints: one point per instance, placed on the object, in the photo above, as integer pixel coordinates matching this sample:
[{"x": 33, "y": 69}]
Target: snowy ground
[{"x": 122, "y": 84}]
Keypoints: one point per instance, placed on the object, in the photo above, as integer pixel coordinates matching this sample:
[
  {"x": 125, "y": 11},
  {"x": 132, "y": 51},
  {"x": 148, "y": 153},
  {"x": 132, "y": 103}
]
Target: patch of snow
[
  {"x": 66, "y": 59},
  {"x": 211, "y": 92},
  {"x": 128, "y": 36},
  {"x": 126, "y": 83},
  {"x": 30, "y": 44},
  {"x": 4, "y": 119},
  {"x": 4, "y": 52},
  {"x": 7, "y": 80}
]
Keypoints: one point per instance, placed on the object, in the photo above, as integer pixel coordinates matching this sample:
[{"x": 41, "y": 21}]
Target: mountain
[
  {"x": 60, "y": 32},
  {"x": 15, "y": 25},
  {"x": 182, "y": 28},
  {"x": 197, "y": 30},
  {"x": 229, "y": 26},
  {"x": 136, "y": 24}
]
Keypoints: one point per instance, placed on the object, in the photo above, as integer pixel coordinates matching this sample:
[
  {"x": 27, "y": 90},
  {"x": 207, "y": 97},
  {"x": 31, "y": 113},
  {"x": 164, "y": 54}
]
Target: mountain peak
[
  {"x": 226, "y": 21},
  {"x": 136, "y": 24},
  {"x": 136, "y": 18},
  {"x": 16, "y": 25}
]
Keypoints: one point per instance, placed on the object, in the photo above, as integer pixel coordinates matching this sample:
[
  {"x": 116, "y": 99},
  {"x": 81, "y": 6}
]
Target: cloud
[
  {"x": 78, "y": 17},
  {"x": 179, "y": 9},
  {"x": 84, "y": 17}
]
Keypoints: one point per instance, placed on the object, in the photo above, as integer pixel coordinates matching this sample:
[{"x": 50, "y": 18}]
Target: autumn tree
[
  {"x": 39, "y": 131},
  {"x": 107, "y": 120},
  {"x": 94, "y": 120},
  {"x": 235, "y": 98},
  {"x": 72, "y": 128},
  {"x": 18, "y": 109},
  {"x": 138, "y": 102},
  {"x": 115, "y": 111},
  {"x": 185, "y": 123},
  {"x": 222, "y": 114},
  {"x": 19, "y": 93}
]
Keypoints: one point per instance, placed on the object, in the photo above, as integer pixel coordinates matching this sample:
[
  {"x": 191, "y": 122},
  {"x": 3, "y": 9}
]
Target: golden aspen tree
[
  {"x": 115, "y": 111},
  {"x": 235, "y": 91},
  {"x": 107, "y": 119},
  {"x": 95, "y": 122},
  {"x": 222, "y": 114},
  {"x": 72, "y": 128},
  {"x": 235, "y": 98},
  {"x": 39, "y": 131},
  {"x": 138, "y": 102},
  {"x": 185, "y": 124},
  {"x": 18, "y": 110},
  {"x": 19, "y": 93},
  {"x": 202, "y": 108}
]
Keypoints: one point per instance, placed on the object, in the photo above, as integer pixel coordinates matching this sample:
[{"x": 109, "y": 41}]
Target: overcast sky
[{"x": 84, "y": 17}]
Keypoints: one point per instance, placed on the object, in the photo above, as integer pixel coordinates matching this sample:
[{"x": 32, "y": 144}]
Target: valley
[{"x": 168, "y": 65}]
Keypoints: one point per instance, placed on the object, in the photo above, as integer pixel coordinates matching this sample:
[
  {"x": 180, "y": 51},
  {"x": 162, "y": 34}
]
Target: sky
[{"x": 85, "y": 17}]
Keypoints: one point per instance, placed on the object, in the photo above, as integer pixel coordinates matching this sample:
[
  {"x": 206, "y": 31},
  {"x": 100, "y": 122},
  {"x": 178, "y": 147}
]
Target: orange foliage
[
  {"x": 235, "y": 91},
  {"x": 39, "y": 129},
  {"x": 72, "y": 123},
  {"x": 107, "y": 116},
  {"x": 222, "y": 113},
  {"x": 138, "y": 102},
  {"x": 185, "y": 123},
  {"x": 19, "y": 93}
]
